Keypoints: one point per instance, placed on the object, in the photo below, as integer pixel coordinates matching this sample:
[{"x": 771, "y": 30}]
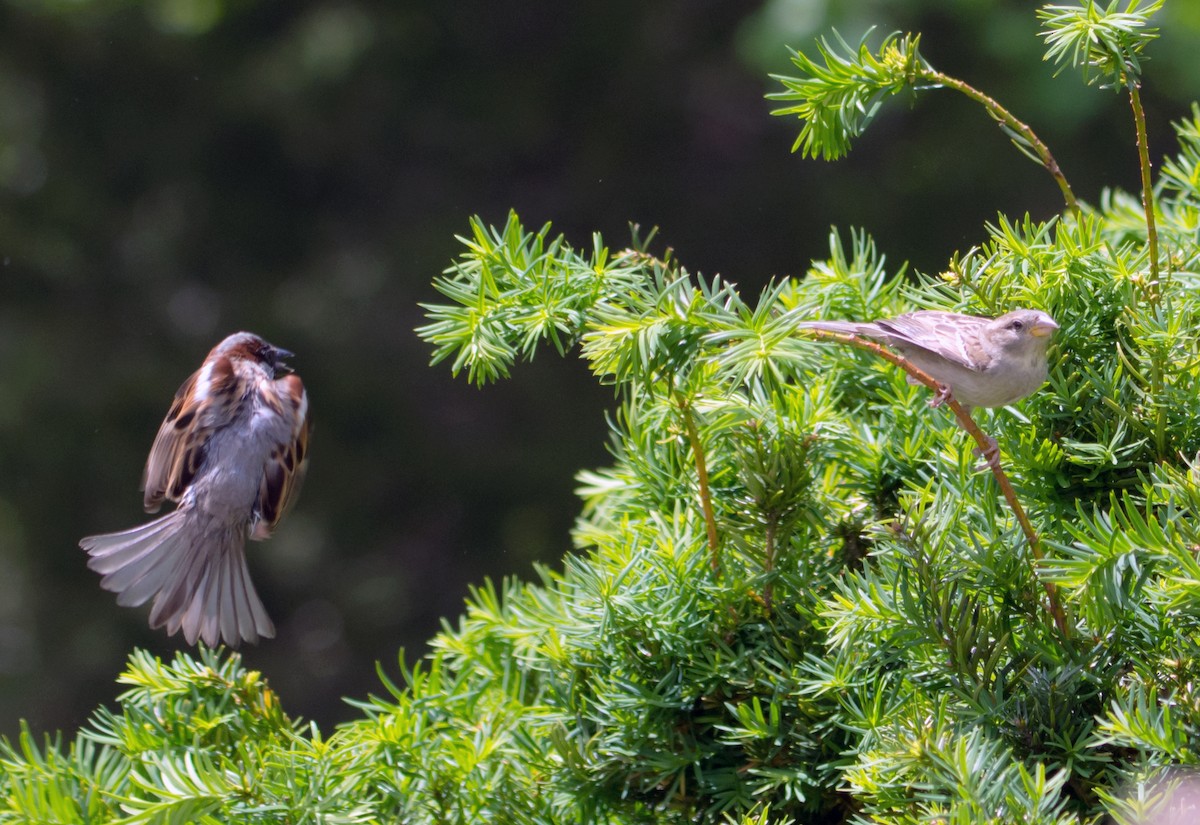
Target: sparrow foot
[
  {"x": 990, "y": 455},
  {"x": 941, "y": 396}
]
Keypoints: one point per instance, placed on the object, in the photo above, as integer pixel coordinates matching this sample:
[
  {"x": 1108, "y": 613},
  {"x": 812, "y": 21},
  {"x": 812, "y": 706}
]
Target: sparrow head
[
  {"x": 250, "y": 347},
  {"x": 1022, "y": 330}
]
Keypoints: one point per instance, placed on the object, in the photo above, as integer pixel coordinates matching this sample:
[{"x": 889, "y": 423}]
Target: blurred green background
[{"x": 175, "y": 170}]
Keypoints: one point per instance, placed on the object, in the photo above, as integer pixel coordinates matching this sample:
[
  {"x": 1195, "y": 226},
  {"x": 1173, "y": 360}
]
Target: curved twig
[{"x": 1018, "y": 127}]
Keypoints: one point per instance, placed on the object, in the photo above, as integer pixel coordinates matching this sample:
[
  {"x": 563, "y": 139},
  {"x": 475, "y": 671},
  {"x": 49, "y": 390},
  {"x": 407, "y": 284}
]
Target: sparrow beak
[
  {"x": 278, "y": 356},
  {"x": 1043, "y": 326}
]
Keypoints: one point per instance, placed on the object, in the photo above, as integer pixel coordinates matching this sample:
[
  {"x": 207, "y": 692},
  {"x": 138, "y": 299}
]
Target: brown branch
[
  {"x": 985, "y": 443},
  {"x": 710, "y": 519}
]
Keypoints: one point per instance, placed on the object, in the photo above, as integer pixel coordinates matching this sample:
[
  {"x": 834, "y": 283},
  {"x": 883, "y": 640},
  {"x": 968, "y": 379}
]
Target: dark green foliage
[
  {"x": 794, "y": 599},
  {"x": 198, "y": 740}
]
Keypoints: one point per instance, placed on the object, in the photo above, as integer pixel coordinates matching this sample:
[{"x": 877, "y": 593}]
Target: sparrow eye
[{"x": 1017, "y": 325}]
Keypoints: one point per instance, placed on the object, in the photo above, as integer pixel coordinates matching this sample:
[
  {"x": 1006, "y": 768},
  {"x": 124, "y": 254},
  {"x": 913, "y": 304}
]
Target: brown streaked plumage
[{"x": 232, "y": 452}]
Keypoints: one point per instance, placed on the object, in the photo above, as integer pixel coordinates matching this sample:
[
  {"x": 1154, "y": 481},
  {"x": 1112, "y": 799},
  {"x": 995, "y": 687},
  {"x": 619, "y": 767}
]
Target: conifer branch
[{"x": 836, "y": 100}]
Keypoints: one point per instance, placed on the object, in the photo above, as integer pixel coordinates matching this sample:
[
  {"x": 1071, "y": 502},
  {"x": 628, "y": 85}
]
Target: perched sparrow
[
  {"x": 232, "y": 453},
  {"x": 982, "y": 362}
]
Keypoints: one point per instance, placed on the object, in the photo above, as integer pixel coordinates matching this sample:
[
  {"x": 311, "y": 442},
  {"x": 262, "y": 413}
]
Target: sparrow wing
[
  {"x": 948, "y": 335},
  {"x": 284, "y": 471},
  {"x": 204, "y": 402}
]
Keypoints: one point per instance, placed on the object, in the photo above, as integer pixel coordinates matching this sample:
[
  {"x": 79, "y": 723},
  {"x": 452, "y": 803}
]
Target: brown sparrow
[
  {"x": 232, "y": 452},
  {"x": 982, "y": 362}
]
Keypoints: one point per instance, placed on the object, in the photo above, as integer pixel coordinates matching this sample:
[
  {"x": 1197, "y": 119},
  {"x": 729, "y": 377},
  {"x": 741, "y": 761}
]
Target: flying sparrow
[
  {"x": 232, "y": 453},
  {"x": 982, "y": 362}
]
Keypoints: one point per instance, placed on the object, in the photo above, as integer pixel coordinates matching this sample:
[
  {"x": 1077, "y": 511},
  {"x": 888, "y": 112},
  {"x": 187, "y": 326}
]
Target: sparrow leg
[
  {"x": 941, "y": 396},
  {"x": 990, "y": 454}
]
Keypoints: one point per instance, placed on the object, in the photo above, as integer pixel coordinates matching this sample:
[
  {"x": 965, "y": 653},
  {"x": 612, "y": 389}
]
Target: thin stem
[
  {"x": 1153, "y": 289},
  {"x": 1007, "y": 118},
  {"x": 985, "y": 444},
  {"x": 769, "y": 560},
  {"x": 710, "y": 519},
  {"x": 1139, "y": 119}
]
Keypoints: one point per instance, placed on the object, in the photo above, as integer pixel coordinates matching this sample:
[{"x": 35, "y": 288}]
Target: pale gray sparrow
[{"x": 982, "y": 362}]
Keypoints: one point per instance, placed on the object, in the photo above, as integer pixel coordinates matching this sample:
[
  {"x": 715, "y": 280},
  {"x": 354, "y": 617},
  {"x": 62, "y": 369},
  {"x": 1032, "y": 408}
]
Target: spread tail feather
[{"x": 193, "y": 569}]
